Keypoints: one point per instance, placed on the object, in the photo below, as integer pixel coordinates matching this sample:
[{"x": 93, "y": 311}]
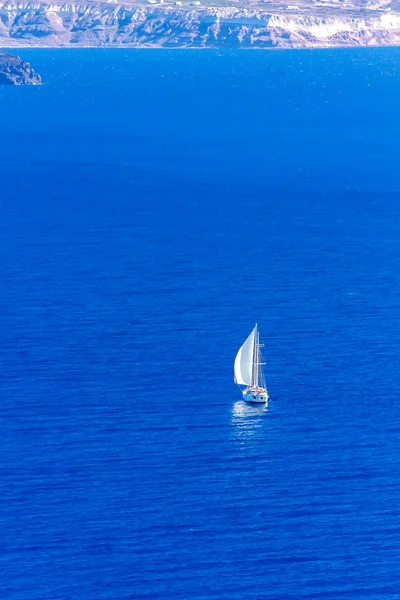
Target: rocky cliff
[
  {"x": 198, "y": 25},
  {"x": 14, "y": 71}
]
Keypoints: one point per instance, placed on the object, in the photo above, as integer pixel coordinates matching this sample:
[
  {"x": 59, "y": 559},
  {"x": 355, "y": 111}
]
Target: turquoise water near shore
[{"x": 153, "y": 206}]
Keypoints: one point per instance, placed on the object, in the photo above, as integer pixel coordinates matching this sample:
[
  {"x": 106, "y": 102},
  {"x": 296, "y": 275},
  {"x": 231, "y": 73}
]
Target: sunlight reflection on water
[
  {"x": 242, "y": 409},
  {"x": 247, "y": 418}
]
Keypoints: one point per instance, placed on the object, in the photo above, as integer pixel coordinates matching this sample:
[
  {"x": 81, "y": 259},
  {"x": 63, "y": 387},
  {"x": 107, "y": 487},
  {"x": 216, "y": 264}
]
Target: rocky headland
[
  {"x": 200, "y": 24},
  {"x": 14, "y": 71}
]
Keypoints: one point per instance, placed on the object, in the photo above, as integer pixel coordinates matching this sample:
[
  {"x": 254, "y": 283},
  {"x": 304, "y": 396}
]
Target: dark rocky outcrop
[{"x": 14, "y": 71}]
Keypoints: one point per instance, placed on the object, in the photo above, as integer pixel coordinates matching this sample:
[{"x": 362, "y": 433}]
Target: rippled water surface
[{"x": 153, "y": 206}]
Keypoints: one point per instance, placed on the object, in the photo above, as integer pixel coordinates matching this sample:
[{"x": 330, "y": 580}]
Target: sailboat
[{"x": 248, "y": 369}]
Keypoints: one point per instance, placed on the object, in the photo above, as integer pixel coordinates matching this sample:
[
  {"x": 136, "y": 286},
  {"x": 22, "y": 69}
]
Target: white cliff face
[
  {"x": 329, "y": 27},
  {"x": 134, "y": 25}
]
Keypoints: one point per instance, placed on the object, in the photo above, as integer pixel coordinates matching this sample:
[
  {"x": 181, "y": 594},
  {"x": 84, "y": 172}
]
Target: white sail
[{"x": 244, "y": 361}]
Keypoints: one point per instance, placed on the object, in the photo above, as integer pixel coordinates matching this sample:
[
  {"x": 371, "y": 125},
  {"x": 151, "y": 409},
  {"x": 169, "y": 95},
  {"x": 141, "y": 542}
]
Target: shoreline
[{"x": 13, "y": 49}]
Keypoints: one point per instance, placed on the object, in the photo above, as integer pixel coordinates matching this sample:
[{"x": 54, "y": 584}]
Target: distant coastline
[{"x": 258, "y": 25}]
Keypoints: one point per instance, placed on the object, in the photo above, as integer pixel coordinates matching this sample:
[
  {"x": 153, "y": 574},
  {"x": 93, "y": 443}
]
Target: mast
[
  {"x": 256, "y": 358},
  {"x": 258, "y": 374}
]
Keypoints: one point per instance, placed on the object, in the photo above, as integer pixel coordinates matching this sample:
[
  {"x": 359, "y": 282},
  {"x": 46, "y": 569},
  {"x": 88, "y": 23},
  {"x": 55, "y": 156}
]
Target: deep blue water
[{"x": 153, "y": 206}]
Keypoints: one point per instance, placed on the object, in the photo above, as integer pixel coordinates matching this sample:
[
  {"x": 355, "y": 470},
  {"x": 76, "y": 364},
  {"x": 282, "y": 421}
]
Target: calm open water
[{"x": 153, "y": 206}]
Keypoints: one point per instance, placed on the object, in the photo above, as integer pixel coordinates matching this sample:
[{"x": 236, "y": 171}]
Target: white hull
[{"x": 259, "y": 395}]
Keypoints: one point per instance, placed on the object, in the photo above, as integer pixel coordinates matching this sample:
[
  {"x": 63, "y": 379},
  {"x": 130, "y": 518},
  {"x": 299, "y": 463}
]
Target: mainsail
[{"x": 244, "y": 361}]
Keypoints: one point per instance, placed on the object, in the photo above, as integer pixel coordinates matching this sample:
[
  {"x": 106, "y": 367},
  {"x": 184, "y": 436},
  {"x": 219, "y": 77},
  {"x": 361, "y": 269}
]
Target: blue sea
[{"x": 154, "y": 205}]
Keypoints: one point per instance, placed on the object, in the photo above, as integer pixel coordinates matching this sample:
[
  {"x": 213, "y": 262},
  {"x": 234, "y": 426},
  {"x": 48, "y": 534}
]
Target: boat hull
[{"x": 258, "y": 396}]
